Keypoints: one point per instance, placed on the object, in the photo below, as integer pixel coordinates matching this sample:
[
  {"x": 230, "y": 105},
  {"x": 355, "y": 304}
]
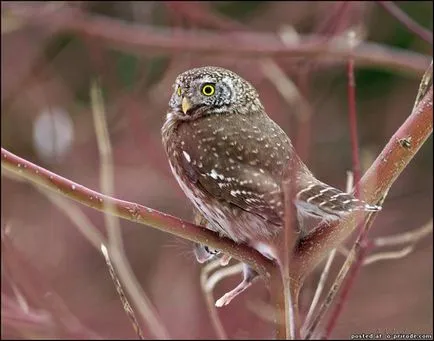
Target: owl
[{"x": 230, "y": 158}]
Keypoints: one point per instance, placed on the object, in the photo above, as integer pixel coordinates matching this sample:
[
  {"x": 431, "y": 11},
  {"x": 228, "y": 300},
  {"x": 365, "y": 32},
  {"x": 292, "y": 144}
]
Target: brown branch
[
  {"x": 144, "y": 39},
  {"x": 133, "y": 212},
  {"x": 123, "y": 297},
  {"x": 373, "y": 186}
]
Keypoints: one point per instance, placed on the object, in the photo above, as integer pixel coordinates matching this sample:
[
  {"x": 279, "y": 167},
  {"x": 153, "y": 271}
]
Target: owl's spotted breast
[{"x": 236, "y": 166}]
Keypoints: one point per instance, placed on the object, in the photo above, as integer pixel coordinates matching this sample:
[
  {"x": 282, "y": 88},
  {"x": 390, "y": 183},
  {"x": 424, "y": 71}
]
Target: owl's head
[{"x": 212, "y": 90}]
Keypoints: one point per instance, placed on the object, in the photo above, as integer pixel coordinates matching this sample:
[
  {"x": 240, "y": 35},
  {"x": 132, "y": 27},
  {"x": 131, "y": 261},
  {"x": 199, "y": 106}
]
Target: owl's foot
[
  {"x": 203, "y": 253},
  {"x": 248, "y": 276},
  {"x": 224, "y": 260}
]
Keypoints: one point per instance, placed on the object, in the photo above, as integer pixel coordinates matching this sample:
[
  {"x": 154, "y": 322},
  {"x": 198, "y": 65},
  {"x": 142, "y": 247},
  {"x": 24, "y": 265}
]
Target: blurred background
[{"x": 47, "y": 67}]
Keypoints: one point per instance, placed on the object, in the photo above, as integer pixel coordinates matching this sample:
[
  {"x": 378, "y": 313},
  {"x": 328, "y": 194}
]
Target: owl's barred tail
[{"x": 318, "y": 199}]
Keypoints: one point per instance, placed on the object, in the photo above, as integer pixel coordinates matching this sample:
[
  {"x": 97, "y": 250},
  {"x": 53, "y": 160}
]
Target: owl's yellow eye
[
  {"x": 178, "y": 91},
  {"x": 208, "y": 89}
]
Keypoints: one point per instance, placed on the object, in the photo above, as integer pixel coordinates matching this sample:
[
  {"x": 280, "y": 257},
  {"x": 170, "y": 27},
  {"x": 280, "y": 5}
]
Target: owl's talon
[
  {"x": 248, "y": 276},
  {"x": 224, "y": 260},
  {"x": 229, "y": 296}
]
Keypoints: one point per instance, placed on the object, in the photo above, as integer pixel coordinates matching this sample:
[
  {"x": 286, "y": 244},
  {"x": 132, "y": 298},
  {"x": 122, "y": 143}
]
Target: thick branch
[
  {"x": 143, "y": 39},
  {"x": 133, "y": 212},
  {"x": 401, "y": 148}
]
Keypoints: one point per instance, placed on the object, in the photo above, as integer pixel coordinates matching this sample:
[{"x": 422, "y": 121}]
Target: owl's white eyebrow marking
[{"x": 187, "y": 157}]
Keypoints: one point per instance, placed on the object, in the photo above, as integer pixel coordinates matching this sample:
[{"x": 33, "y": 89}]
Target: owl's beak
[{"x": 186, "y": 105}]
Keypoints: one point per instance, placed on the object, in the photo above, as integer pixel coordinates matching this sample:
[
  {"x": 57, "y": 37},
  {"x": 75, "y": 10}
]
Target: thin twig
[
  {"x": 411, "y": 238},
  {"x": 106, "y": 165},
  {"x": 352, "y": 256},
  {"x": 221, "y": 274},
  {"x": 405, "y": 20},
  {"x": 318, "y": 290},
  {"x": 287, "y": 89},
  {"x": 325, "y": 272},
  {"x": 113, "y": 227},
  {"x": 388, "y": 255},
  {"x": 352, "y": 265},
  {"x": 404, "y": 238},
  {"x": 209, "y": 299},
  {"x": 124, "y": 300},
  {"x": 78, "y": 218}
]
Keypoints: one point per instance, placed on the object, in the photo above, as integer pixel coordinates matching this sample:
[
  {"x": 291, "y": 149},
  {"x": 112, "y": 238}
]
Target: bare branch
[
  {"x": 404, "y": 19},
  {"x": 287, "y": 89},
  {"x": 325, "y": 272},
  {"x": 143, "y": 39},
  {"x": 388, "y": 255},
  {"x": 404, "y": 238},
  {"x": 373, "y": 186},
  {"x": 351, "y": 258},
  {"x": 134, "y": 212},
  {"x": 376, "y": 183},
  {"x": 126, "y": 305},
  {"x": 112, "y": 223},
  {"x": 106, "y": 164},
  {"x": 318, "y": 291}
]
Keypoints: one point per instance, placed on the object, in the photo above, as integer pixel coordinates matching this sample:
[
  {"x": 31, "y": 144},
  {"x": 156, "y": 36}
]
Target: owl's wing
[{"x": 240, "y": 163}]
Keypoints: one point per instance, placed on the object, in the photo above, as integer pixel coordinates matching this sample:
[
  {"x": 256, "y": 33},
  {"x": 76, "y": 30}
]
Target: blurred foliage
[
  {"x": 239, "y": 9},
  {"x": 127, "y": 68}
]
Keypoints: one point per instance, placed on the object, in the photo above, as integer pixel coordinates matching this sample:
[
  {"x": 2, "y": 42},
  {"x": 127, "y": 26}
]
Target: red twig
[
  {"x": 332, "y": 24},
  {"x": 356, "y": 171},
  {"x": 352, "y": 274},
  {"x": 404, "y": 19}
]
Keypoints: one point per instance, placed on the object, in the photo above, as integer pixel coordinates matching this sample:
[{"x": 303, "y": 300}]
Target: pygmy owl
[{"x": 230, "y": 158}]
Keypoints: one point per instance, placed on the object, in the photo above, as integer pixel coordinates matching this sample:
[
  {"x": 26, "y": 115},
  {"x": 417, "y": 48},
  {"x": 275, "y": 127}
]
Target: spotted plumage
[{"x": 230, "y": 159}]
